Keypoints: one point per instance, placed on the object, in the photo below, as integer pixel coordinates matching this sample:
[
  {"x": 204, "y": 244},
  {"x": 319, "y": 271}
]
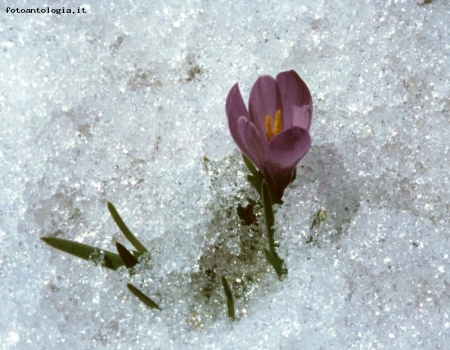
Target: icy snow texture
[{"x": 123, "y": 103}]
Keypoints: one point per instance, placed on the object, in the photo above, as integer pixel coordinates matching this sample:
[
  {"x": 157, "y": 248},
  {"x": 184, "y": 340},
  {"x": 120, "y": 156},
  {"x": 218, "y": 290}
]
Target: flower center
[{"x": 277, "y": 125}]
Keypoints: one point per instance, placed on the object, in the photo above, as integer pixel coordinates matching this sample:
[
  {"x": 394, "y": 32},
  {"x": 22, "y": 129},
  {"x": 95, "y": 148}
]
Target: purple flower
[{"x": 274, "y": 132}]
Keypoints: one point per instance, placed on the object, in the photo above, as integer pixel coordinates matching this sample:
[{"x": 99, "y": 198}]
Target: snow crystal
[{"x": 125, "y": 103}]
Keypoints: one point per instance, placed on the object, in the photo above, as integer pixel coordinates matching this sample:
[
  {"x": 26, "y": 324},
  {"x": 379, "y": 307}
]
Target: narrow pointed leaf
[
  {"x": 136, "y": 254},
  {"x": 111, "y": 261},
  {"x": 255, "y": 182},
  {"x": 276, "y": 262},
  {"x": 294, "y": 175},
  {"x": 128, "y": 258},
  {"x": 230, "y": 298},
  {"x": 251, "y": 167},
  {"x": 125, "y": 230},
  {"x": 268, "y": 215},
  {"x": 142, "y": 297}
]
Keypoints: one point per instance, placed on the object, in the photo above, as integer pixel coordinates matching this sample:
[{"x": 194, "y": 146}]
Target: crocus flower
[{"x": 274, "y": 132}]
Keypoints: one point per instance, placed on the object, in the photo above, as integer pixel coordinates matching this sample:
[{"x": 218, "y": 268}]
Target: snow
[{"x": 123, "y": 104}]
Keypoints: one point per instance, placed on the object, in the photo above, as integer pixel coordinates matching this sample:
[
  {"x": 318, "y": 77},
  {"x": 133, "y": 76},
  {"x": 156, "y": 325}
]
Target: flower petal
[
  {"x": 284, "y": 152},
  {"x": 295, "y": 96},
  {"x": 235, "y": 108},
  {"x": 252, "y": 141},
  {"x": 301, "y": 116},
  {"x": 265, "y": 99}
]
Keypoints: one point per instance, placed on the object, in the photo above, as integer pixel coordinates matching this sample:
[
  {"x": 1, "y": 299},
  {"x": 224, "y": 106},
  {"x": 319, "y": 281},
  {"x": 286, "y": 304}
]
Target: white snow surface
[{"x": 123, "y": 103}]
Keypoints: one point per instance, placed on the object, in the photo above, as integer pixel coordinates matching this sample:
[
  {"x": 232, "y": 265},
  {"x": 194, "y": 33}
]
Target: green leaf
[
  {"x": 251, "y": 167},
  {"x": 111, "y": 261},
  {"x": 271, "y": 255},
  {"x": 128, "y": 258},
  {"x": 230, "y": 298},
  {"x": 142, "y": 297},
  {"x": 294, "y": 175},
  {"x": 268, "y": 215},
  {"x": 131, "y": 238},
  {"x": 136, "y": 254},
  {"x": 276, "y": 262},
  {"x": 255, "y": 182},
  {"x": 256, "y": 177}
]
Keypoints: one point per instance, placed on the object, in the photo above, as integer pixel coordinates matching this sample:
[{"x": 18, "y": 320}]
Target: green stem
[
  {"x": 268, "y": 215},
  {"x": 271, "y": 255}
]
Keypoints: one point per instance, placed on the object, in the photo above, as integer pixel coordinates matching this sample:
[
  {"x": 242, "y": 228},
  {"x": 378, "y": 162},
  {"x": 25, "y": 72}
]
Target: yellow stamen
[
  {"x": 269, "y": 131},
  {"x": 277, "y": 125}
]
